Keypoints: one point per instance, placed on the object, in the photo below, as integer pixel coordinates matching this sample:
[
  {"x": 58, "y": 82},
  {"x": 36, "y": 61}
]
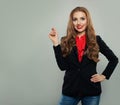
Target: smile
[{"x": 79, "y": 27}]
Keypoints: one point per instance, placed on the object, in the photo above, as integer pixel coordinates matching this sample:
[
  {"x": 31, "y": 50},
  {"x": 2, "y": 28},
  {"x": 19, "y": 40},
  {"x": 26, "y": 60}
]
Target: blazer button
[{"x": 78, "y": 69}]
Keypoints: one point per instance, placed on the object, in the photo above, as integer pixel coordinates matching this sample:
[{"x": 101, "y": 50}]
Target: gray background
[{"x": 28, "y": 71}]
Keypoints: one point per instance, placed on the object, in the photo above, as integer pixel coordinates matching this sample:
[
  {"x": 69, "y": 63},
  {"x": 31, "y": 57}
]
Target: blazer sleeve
[
  {"x": 108, "y": 53},
  {"x": 61, "y": 62}
]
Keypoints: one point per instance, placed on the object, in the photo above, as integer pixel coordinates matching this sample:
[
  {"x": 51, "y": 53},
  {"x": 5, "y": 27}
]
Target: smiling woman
[
  {"x": 28, "y": 71},
  {"x": 78, "y": 54},
  {"x": 80, "y": 22}
]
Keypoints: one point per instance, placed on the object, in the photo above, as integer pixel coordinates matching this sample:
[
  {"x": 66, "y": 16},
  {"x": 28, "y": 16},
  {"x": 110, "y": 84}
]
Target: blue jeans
[{"x": 88, "y": 100}]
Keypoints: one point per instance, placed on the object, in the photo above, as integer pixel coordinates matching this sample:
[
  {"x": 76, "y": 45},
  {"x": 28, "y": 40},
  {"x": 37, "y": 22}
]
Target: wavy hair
[{"x": 68, "y": 41}]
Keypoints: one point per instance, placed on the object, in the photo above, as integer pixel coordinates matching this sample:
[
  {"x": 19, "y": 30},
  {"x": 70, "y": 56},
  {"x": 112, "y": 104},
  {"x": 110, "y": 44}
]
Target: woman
[{"x": 78, "y": 55}]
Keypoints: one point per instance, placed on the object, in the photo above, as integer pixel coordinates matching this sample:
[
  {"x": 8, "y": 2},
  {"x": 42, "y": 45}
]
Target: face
[{"x": 80, "y": 22}]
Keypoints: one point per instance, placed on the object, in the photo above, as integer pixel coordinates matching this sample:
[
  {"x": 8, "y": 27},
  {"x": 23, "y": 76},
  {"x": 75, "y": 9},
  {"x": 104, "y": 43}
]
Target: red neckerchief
[{"x": 80, "y": 43}]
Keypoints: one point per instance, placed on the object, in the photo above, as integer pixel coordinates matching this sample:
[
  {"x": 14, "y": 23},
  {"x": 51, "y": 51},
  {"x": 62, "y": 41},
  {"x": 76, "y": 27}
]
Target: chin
[{"x": 81, "y": 32}]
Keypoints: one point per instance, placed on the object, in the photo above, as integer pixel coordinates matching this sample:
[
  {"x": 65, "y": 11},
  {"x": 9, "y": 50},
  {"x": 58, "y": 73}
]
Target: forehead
[{"x": 79, "y": 14}]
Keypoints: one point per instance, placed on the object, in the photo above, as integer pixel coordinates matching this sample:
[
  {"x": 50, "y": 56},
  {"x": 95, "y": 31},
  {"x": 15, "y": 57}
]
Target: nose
[{"x": 78, "y": 22}]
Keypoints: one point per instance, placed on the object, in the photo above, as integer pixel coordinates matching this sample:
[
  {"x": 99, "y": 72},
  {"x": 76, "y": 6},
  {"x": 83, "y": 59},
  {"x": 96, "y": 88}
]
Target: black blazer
[{"x": 77, "y": 74}]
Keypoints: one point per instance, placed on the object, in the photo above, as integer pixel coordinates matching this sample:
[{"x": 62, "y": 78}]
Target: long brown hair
[{"x": 68, "y": 41}]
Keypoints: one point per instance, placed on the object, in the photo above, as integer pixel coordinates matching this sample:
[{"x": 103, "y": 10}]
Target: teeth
[{"x": 79, "y": 27}]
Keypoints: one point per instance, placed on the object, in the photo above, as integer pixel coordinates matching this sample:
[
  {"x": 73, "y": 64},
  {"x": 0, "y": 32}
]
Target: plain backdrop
[{"x": 28, "y": 71}]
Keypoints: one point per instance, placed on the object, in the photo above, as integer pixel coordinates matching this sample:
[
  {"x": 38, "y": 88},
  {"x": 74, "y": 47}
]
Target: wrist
[
  {"x": 56, "y": 44},
  {"x": 104, "y": 77}
]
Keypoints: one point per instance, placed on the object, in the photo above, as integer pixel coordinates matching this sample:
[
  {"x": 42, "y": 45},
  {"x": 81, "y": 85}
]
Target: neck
[{"x": 81, "y": 34}]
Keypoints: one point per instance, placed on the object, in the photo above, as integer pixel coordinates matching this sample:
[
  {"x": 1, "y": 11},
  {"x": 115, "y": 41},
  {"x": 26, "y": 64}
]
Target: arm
[
  {"x": 108, "y": 53},
  {"x": 57, "y": 50},
  {"x": 59, "y": 58}
]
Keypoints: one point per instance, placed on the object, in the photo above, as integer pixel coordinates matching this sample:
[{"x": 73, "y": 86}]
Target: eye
[
  {"x": 82, "y": 18},
  {"x": 74, "y": 19}
]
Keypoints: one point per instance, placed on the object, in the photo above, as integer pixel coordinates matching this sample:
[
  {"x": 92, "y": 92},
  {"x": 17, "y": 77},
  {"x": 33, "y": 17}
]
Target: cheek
[
  {"x": 84, "y": 27},
  {"x": 74, "y": 24},
  {"x": 85, "y": 23}
]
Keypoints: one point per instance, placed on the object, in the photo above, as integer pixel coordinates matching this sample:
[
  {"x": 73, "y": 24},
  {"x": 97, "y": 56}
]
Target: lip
[{"x": 79, "y": 26}]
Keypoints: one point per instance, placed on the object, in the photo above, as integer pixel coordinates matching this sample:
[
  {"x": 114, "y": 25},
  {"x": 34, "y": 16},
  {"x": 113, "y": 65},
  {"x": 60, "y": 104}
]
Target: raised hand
[{"x": 54, "y": 36}]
